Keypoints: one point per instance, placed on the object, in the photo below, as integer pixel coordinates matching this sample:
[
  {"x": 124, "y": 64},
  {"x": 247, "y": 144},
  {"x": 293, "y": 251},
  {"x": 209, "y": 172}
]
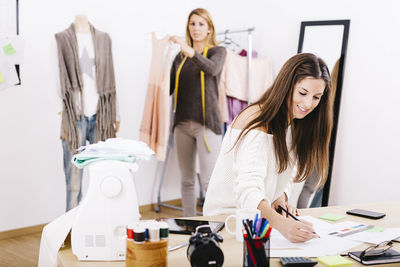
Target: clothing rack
[
  {"x": 171, "y": 132},
  {"x": 249, "y": 53}
]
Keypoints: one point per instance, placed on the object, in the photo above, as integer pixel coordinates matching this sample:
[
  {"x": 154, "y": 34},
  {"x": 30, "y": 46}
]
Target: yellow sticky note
[
  {"x": 333, "y": 261},
  {"x": 9, "y": 49},
  {"x": 1, "y": 78}
]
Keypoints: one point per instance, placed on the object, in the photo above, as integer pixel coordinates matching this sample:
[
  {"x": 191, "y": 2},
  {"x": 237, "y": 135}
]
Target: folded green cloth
[
  {"x": 83, "y": 159},
  {"x": 112, "y": 149}
]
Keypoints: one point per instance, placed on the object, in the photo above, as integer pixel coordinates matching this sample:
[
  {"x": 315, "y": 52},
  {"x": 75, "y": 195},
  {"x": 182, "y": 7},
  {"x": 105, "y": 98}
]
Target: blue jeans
[{"x": 73, "y": 175}]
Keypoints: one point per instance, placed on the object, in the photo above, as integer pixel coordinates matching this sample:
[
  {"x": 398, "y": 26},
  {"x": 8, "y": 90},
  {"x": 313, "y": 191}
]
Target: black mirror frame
[
  {"x": 17, "y": 66},
  {"x": 336, "y": 108}
]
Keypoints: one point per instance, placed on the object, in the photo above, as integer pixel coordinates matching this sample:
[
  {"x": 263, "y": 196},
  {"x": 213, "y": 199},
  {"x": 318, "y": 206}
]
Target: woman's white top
[{"x": 244, "y": 176}]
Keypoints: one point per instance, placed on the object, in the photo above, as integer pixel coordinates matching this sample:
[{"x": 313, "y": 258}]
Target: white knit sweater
[{"x": 243, "y": 177}]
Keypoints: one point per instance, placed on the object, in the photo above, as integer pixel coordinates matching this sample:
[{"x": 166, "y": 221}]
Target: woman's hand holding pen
[
  {"x": 186, "y": 50},
  {"x": 296, "y": 231},
  {"x": 292, "y": 229},
  {"x": 300, "y": 227},
  {"x": 282, "y": 201}
]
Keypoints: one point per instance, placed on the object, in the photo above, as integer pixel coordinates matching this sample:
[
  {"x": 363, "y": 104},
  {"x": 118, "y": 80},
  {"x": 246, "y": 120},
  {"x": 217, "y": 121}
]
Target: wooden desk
[{"x": 233, "y": 250}]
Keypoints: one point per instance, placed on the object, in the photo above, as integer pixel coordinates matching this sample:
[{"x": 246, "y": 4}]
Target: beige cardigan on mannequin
[{"x": 71, "y": 82}]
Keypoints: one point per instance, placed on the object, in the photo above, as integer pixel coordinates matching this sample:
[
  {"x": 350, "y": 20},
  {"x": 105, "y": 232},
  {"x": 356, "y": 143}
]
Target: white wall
[{"x": 32, "y": 189}]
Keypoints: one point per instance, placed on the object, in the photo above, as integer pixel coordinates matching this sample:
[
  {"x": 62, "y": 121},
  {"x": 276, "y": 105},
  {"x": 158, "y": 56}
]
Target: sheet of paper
[
  {"x": 10, "y": 77},
  {"x": 325, "y": 245},
  {"x": 12, "y": 48},
  {"x": 53, "y": 236},
  {"x": 375, "y": 237},
  {"x": 8, "y": 18},
  {"x": 344, "y": 228}
]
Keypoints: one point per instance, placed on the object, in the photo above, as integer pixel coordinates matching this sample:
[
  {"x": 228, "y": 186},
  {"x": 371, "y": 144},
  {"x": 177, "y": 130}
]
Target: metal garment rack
[
  {"x": 249, "y": 53},
  {"x": 171, "y": 132}
]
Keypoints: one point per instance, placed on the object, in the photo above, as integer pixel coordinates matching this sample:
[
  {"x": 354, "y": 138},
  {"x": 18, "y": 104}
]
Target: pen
[
  {"x": 265, "y": 230},
  {"x": 251, "y": 243},
  {"x": 288, "y": 213},
  {"x": 172, "y": 248},
  {"x": 269, "y": 231},
  {"x": 251, "y": 260},
  {"x": 262, "y": 229},
  {"x": 250, "y": 224},
  {"x": 255, "y": 223},
  {"x": 291, "y": 215},
  {"x": 258, "y": 226}
]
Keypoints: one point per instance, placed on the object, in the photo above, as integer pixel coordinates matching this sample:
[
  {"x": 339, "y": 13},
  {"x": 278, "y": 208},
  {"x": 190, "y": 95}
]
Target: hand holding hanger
[{"x": 186, "y": 50}]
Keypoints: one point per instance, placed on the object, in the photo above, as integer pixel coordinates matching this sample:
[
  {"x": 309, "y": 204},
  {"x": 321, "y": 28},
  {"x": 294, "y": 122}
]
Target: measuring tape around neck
[{"x": 203, "y": 93}]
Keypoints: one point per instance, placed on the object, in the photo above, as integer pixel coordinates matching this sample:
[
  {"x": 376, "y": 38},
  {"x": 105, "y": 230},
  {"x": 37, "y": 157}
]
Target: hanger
[
  {"x": 229, "y": 41},
  {"x": 159, "y": 34}
]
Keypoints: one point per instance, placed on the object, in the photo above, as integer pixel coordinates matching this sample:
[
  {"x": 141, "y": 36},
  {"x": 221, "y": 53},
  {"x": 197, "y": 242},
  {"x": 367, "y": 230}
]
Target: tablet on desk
[{"x": 188, "y": 227}]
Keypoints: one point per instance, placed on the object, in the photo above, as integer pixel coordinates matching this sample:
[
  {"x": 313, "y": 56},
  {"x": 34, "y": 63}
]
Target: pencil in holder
[
  {"x": 146, "y": 254},
  {"x": 256, "y": 252}
]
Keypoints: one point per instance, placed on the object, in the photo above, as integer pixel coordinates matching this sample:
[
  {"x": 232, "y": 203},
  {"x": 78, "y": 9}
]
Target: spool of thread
[
  {"x": 138, "y": 234},
  {"x": 129, "y": 231},
  {"x": 154, "y": 233},
  {"x": 164, "y": 230}
]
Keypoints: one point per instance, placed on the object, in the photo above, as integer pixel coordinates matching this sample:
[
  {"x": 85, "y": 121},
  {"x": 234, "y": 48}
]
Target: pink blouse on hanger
[
  {"x": 154, "y": 128},
  {"x": 234, "y": 76}
]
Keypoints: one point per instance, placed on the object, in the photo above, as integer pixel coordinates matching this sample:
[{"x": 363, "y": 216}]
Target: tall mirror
[{"x": 327, "y": 40}]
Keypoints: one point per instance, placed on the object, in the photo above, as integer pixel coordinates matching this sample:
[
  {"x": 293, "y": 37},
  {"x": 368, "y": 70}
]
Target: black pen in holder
[{"x": 256, "y": 252}]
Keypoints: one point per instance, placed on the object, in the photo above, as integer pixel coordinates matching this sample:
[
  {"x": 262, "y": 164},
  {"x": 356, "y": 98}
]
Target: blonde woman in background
[{"x": 195, "y": 75}]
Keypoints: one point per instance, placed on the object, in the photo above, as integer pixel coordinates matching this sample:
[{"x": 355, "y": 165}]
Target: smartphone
[{"x": 366, "y": 213}]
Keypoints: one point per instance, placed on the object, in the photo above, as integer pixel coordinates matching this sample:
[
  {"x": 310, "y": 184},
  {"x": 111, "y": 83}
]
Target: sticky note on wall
[
  {"x": 9, "y": 49},
  {"x": 1, "y": 78}
]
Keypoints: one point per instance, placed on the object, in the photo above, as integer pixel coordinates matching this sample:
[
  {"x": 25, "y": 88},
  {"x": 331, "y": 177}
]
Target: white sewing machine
[{"x": 99, "y": 230}]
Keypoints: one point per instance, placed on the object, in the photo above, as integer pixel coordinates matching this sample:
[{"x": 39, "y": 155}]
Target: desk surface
[{"x": 233, "y": 250}]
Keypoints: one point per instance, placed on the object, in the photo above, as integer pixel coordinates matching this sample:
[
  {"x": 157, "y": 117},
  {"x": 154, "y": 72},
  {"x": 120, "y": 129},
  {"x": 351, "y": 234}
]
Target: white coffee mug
[{"x": 241, "y": 214}]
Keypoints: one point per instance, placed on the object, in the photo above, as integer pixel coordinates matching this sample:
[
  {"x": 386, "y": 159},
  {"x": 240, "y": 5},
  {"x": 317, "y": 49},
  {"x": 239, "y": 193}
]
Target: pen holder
[
  {"x": 256, "y": 252},
  {"x": 146, "y": 254}
]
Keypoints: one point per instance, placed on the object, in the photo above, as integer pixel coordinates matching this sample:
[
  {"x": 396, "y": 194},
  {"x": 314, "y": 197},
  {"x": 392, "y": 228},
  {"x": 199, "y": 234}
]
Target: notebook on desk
[{"x": 390, "y": 256}]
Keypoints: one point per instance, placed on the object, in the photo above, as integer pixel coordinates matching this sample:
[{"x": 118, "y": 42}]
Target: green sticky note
[
  {"x": 9, "y": 49},
  {"x": 376, "y": 229},
  {"x": 1, "y": 78},
  {"x": 333, "y": 261},
  {"x": 331, "y": 217}
]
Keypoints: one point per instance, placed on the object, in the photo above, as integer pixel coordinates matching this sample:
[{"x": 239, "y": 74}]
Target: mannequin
[
  {"x": 81, "y": 24},
  {"x": 88, "y": 95}
]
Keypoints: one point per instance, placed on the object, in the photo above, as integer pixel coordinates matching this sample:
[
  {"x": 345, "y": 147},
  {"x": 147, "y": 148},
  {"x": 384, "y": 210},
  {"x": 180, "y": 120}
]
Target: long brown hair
[
  {"x": 310, "y": 135},
  {"x": 211, "y": 40}
]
